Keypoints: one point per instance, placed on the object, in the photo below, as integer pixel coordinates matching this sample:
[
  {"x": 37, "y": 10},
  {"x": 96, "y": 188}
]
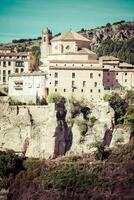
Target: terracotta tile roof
[{"x": 70, "y": 35}]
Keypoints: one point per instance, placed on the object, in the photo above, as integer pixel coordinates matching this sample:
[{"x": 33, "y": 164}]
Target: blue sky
[{"x": 26, "y": 18}]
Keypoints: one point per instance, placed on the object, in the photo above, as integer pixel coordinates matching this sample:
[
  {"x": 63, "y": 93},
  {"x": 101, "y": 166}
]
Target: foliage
[
  {"x": 118, "y": 104},
  {"x": 129, "y": 95},
  {"x": 83, "y": 128},
  {"x": 43, "y": 101},
  {"x": 71, "y": 177},
  {"x": 93, "y": 120},
  {"x": 7, "y": 163},
  {"x": 129, "y": 118},
  {"x": 124, "y": 153},
  {"x": 54, "y": 98},
  {"x": 13, "y": 102},
  {"x": 36, "y": 52},
  {"x": 121, "y": 49},
  {"x": 10, "y": 165},
  {"x": 5, "y": 89},
  {"x": 100, "y": 150}
]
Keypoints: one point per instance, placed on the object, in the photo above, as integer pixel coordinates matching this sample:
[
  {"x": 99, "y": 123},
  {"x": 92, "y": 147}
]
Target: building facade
[
  {"x": 27, "y": 87},
  {"x": 75, "y": 70},
  {"x": 13, "y": 62}
]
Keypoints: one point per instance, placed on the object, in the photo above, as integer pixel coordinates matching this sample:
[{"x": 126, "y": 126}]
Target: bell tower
[{"x": 45, "y": 45}]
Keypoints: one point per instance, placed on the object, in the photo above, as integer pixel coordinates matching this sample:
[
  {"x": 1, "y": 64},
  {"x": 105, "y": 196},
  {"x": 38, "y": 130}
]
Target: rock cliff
[
  {"x": 116, "y": 32},
  {"x": 31, "y": 130}
]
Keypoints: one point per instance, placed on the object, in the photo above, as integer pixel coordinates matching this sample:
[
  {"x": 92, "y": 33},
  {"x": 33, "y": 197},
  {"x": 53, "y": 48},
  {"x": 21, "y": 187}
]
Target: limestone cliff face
[
  {"x": 31, "y": 130},
  {"x": 115, "y": 32},
  {"x": 28, "y": 129}
]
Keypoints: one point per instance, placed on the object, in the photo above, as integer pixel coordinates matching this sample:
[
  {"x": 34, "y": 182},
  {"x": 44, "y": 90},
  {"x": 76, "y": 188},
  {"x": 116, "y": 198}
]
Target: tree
[
  {"x": 118, "y": 104},
  {"x": 54, "y": 98}
]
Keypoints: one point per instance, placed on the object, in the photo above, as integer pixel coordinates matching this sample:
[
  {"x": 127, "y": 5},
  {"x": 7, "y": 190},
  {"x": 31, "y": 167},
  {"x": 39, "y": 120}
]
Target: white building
[{"x": 27, "y": 87}]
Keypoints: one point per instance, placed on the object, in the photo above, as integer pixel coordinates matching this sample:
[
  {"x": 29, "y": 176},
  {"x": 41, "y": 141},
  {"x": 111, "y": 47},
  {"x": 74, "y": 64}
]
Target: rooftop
[{"x": 70, "y": 36}]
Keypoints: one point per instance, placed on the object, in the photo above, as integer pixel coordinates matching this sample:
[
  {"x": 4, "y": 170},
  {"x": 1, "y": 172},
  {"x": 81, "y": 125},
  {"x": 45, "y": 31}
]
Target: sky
[{"x": 27, "y": 18}]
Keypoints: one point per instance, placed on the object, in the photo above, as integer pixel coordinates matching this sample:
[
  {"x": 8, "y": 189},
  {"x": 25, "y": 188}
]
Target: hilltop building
[
  {"x": 71, "y": 68},
  {"x": 75, "y": 70},
  {"x": 13, "y": 62}
]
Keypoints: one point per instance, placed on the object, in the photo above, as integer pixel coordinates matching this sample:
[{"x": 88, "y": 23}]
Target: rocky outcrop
[
  {"x": 116, "y": 32},
  {"x": 28, "y": 129},
  {"x": 33, "y": 130}
]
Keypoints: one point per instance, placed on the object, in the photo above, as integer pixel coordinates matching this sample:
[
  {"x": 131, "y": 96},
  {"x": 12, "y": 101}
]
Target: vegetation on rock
[{"x": 54, "y": 98}]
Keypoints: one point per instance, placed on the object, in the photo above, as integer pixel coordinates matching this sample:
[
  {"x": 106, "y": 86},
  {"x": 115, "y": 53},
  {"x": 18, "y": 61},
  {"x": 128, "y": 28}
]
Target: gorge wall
[{"x": 32, "y": 129}]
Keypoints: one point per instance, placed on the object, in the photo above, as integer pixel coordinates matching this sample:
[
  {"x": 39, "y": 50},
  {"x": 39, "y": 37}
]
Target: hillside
[{"x": 116, "y": 39}]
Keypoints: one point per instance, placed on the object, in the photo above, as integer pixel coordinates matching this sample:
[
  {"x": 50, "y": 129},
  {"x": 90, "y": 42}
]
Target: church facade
[{"x": 73, "y": 69}]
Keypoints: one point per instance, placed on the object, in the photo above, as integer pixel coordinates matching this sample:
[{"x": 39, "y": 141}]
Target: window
[
  {"x": 16, "y": 70},
  {"x": 99, "y": 90},
  {"x": 4, "y": 79},
  {"x": 91, "y": 90},
  {"x": 55, "y": 89},
  {"x": 91, "y": 75},
  {"x": 73, "y": 90},
  {"x": 49, "y": 74},
  {"x": 64, "y": 90},
  {"x": 4, "y": 64},
  {"x": 4, "y": 72},
  {"x": 22, "y": 70},
  {"x": 9, "y": 71},
  {"x": 125, "y": 80},
  {"x": 125, "y": 74},
  {"x": 56, "y": 83},
  {"x": 9, "y": 63},
  {"x": 99, "y": 74},
  {"x": 73, "y": 75},
  {"x": 95, "y": 84},
  {"x": 117, "y": 74},
  {"x": 84, "y": 83},
  {"x": 107, "y": 80},
  {"x": 67, "y": 47},
  {"x": 56, "y": 75},
  {"x": 72, "y": 83},
  {"x": 81, "y": 90},
  {"x": 108, "y": 74}
]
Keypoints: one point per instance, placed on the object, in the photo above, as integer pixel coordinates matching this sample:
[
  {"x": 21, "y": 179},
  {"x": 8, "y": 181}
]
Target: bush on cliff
[
  {"x": 118, "y": 104},
  {"x": 54, "y": 98}
]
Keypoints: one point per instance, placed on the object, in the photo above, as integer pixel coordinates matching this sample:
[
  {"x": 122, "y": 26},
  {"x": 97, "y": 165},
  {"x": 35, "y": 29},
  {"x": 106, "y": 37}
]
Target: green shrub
[
  {"x": 93, "y": 120},
  {"x": 83, "y": 128},
  {"x": 43, "y": 101},
  {"x": 118, "y": 104},
  {"x": 54, "y": 98},
  {"x": 100, "y": 150},
  {"x": 129, "y": 117},
  {"x": 129, "y": 95},
  {"x": 31, "y": 102},
  {"x": 13, "y": 102}
]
